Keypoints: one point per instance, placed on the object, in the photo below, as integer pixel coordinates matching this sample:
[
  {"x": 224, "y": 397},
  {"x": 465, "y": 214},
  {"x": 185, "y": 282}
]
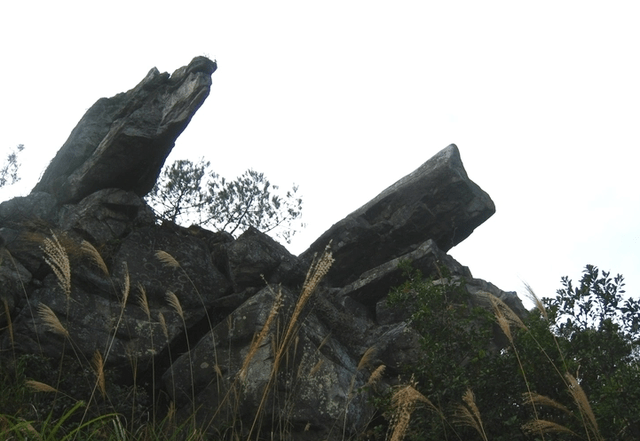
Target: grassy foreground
[{"x": 39, "y": 400}]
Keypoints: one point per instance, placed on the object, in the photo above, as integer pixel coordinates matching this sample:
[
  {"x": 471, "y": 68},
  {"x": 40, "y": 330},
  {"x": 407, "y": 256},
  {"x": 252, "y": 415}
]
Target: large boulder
[
  {"x": 123, "y": 141},
  {"x": 437, "y": 201}
]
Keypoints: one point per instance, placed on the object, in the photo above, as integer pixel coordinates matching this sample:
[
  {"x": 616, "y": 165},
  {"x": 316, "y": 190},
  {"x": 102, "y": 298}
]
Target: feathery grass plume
[
  {"x": 468, "y": 414},
  {"x": 504, "y": 315},
  {"x": 167, "y": 259},
  {"x": 173, "y": 301},
  {"x": 126, "y": 284},
  {"x": 404, "y": 402},
  {"x": 143, "y": 301},
  {"x": 317, "y": 271},
  {"x": 542, "y": 400},
  {"x": 376, "y": 375},
  {"x": 531, "y": 295},
  {"x": 95, "y": 256},
  {"x": 259, "y": 338},
  {"x": 37, "y": 386},
  {"x": 365, "y": 360},
  {"x": 581, "y": 400},
  {"x": 51, "y": 320},
  {"x": 544, "y": 426},
  {"x": 57, "y": 258},
  {"x": 163, "y": 325},
  {"x": 324, "y": 342},
  {"x": 7, "y": 313},
  {"x": 98, "y": 367}
]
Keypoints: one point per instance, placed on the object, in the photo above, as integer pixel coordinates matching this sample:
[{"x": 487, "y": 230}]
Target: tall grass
[{"x": 279, "y": 332}]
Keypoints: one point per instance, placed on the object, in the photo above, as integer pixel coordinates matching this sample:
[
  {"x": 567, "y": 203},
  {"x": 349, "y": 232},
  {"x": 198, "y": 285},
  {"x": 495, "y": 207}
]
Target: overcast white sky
[{"x": 346, "y": 97}]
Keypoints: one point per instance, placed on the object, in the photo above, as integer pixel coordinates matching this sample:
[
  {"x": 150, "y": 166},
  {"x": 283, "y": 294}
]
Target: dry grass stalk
[
  {"x": 98, "y": 367},
  {"x": 143, "y": 301},
  {"x": 173, "y": 301},
  {"x": 376, "y": 375},
  {"x": 95, "y": 256},
  {"x": 314, "y": 370},
  {"x": 126, "y": 284},
  {"x": 37, "y": 386},
  {"x": 317, "y": 271},
  {"x": 167, "y": 259},
  {"x": 404, "y": 402},
  {"x": 536, "y": 301},
  {"x": 259, "y": 338},
  {"x": 51, "y": 320},
  {"x": 163, "y": 325},
  {"x": 505, "y": 316},
  {"x": 581, "y": 400},
  {"x": 542, "y": 400},
  {"x": 468, "y": 414},
  {"x": 56, "y": 257},
  {"x": 544, "y": 426},
  {"x": 324, "y": 342},
  {"x": 365, "y": 360}
]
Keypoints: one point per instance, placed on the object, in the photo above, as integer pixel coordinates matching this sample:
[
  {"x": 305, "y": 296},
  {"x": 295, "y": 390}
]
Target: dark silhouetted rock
[
  {"x": 437, "y": 201},
  {"x": 255, "y": 258},
  {"x": 123, "y": 141},
  {"x": 375, "y": 283},
  {"x": 37, "y": 205},
  {"x": 107, "y": 215}
]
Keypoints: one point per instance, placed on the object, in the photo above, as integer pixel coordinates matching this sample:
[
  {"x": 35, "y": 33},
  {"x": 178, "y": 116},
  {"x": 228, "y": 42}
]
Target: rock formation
[
  {"x": 122, "y": 142},
  {"x": 204, "y": 314}
]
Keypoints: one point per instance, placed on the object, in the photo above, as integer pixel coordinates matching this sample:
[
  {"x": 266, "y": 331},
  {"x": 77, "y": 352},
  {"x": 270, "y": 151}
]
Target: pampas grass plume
[
  {"x": 95, "y": 256},
  {"x": 51, "y": 320},
  {"x": 56, "y": 257}
]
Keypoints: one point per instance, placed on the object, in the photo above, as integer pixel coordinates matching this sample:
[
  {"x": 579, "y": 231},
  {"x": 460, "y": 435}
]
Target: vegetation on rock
[
  {"x": 9, "y": 169},
  {"x": 568, "y": 370},
  {"x": 187, "y": 191}
]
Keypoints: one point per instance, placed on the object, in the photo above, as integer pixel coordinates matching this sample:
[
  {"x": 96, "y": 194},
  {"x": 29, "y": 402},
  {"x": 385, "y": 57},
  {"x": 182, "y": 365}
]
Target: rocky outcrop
[
  {"x": 123, "y": 141},
  {"x": 437, "y": 201},
  {"x": 201, "y": 317}
]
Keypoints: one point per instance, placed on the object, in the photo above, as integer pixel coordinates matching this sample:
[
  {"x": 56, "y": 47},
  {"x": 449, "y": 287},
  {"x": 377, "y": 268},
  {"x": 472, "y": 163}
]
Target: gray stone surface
[
  {"x": 437, "y": 201},
  {"x": 123, "y": 141}
]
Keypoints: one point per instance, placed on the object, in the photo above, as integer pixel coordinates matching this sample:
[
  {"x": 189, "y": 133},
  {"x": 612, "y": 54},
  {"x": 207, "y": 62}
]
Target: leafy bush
[{"x": 568, "y": 370}]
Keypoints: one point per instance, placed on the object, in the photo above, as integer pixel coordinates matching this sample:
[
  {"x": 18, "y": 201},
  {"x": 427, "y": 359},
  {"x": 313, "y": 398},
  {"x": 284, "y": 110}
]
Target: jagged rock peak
[
  {"x": 123, "y": 141},
  {"x": 437, "y": 201}
]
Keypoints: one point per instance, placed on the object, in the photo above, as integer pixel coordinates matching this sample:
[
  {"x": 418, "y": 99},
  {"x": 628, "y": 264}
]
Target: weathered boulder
[
  {"x": 123, "y": 141},
  {"x": 255, "y": 258},
  {"x": 437, "y": 201},
  {"x": 375, "y": 283},
  {"x": 37, "y": 205},
  {"x": 227, "y": 373},
  {"x": 106, "y": 215}
]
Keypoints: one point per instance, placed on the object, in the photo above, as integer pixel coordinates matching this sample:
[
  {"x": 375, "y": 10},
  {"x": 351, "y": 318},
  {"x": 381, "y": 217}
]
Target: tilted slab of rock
[
  {"x": 123, "y": 141},
  {"x": 437, "y": 201}
]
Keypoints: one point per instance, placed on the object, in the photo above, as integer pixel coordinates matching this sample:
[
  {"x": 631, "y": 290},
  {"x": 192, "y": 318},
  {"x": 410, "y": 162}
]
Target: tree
[
  {"x": 9, "y": 170},
  {"x": 180, "y": 195},
  {"x": 586, "y": 337}
]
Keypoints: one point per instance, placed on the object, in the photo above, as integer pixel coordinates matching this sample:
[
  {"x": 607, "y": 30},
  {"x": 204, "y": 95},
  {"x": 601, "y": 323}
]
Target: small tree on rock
[
  {"x": 181, "y": 196},
  {"x": 9, "y": 170}
]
